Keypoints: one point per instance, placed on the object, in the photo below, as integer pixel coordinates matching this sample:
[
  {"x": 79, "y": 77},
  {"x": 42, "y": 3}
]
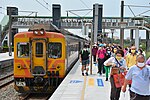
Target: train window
[
  {"x": 39, "y": 49},
  {"x": 54, "y": 50},
  {"x": 23, "y": 49}
]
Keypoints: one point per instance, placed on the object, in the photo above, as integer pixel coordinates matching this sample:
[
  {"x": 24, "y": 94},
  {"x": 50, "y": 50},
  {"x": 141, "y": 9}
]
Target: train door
[{"x": 38, "y": 57}]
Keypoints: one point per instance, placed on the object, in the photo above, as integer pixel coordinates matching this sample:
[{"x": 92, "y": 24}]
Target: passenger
[
  {"x": 131, "y": 57},
  {"x": 101, "y": 58},
  {"x": 126, "y": 51},
  {"x": 114, "y": 50},
  {"x": 148, "y": 62},
  {"x": 94, "y": 51},
  {"x": 140, "y": 76},
  {"x": 107, "y": 68},
  {"x": 84, "y": 58},
  {"x": 115, "y": 62},
  {"x": 140, "y": 51}
]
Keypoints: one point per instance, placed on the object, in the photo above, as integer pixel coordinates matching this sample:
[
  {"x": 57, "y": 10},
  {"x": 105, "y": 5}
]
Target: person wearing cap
[
  {"x": 94, "y": 51},
  {"x": 140, "y": 76},
  {"x": 101, "y": 58},
  {"x": 131, "y": 57}
]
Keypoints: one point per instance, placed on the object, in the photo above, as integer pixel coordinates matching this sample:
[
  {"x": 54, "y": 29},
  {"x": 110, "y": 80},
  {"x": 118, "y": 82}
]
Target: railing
[{"x": 75, "y": 22}]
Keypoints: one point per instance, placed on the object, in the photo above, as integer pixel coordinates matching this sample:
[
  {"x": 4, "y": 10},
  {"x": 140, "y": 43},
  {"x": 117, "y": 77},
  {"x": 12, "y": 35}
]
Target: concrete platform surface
[
  {"x": 5, "y": 56},
  {"x": 78, "y": 87}
]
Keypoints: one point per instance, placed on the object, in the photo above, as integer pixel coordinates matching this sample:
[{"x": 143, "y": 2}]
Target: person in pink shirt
[{"x": 101, "y": 58}]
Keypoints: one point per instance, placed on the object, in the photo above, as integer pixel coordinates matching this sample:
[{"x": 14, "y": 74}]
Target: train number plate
[{"x": 20, "y": 83}]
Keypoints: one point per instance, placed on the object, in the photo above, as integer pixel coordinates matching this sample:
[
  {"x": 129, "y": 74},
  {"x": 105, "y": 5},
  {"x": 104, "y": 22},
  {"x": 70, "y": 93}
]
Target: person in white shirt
[
  {"x": 140, "y": 76},
  {"x": 117, "y": 61}
]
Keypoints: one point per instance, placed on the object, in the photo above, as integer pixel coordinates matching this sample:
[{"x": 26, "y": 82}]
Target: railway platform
[
  {"x": 5, "y": 56},
  {"x": 6, "y": 62},
  {"x": 78, "y": 87}
]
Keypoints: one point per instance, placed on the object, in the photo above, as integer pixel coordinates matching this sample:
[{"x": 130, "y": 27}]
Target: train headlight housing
[
  {"x": 42, "y": 32},
  {"x": 36, "y": 32}
]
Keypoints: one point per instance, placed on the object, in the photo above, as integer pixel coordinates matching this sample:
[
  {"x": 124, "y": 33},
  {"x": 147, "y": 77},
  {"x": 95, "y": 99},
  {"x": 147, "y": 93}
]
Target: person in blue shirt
[{"x": 140, "y": 76}]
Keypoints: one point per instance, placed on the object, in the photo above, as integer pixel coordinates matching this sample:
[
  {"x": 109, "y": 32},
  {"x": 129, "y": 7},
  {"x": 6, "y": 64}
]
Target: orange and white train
[{"x": 42, "y": 58}]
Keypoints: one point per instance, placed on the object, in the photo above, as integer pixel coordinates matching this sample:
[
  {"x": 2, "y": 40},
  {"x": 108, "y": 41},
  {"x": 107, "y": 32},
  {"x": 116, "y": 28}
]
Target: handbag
[
  {"x": 114, "y": 70},
  {"x": 119, "y": 79},
  {"x": 118, "y": 75}
]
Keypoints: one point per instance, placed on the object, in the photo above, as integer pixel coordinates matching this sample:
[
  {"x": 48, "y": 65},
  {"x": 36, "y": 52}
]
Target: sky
[{"x": 111, "y": 8}]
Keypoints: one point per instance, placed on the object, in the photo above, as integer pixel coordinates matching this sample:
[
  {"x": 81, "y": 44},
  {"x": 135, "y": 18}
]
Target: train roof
[
  {"x": 46, "y": 27},
  {"x": 53, "y": 28}
]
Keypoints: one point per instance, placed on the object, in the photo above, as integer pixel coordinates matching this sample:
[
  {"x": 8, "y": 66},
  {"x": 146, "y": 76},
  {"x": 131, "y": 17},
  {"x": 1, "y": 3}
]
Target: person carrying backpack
[{"x": 84, "y": 58}]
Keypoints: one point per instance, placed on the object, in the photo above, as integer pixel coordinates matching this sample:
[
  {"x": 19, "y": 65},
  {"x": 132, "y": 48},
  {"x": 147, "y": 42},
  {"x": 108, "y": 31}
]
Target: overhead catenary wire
[
  {"x": 138, "y": 6},
  {"x": 84, "y": 3},
  {"x": 87, "y": 13},
  {"x": 131, "y": 11},
  {"x": 143, "y": 12},
  {"x": 47, "y": 3},
  {"x": 43, "y": 5},
  {"x": 129, "y": 6}
]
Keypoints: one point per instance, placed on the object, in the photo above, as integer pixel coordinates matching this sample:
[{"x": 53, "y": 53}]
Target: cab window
[
  {"x": 23, "y": 49},
  {"x": 54, "y": 50},
  {"x": 39, "y": 49}
]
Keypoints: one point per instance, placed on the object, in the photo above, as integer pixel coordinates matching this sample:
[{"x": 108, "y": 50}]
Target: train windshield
[
  {"x": 39, "y": 49},
  {"x": 23, "y": 49},
  {"x": 54, "y": 50}
]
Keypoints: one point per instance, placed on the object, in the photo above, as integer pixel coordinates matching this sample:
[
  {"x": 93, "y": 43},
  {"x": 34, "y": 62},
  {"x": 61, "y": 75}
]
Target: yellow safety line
[{"x": 83, "y": 90}]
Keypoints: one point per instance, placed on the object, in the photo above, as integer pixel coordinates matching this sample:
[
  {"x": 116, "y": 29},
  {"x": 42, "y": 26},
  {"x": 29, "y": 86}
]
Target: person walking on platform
[
  {"x": 140, "y": 76},
  {"x": 117, "y": 63},
  {"x": 107, "y": 68},
  {"x": 84, "y": 58},
  {"x": 94, "y": 51},
  {"x": 101, "y": 58},
  {"x": 131, "y": 57},
  {"x": 114, "y": 50}
]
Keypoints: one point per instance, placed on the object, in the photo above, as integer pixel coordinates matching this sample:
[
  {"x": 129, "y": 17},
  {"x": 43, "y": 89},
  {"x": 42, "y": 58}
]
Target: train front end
[{"x": 39, "y": 61}]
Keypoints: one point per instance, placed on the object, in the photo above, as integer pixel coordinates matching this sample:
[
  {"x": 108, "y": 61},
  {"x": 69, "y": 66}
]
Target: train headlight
[
  {"x": 42, "y": 32},
  {"x": 36, "y": 32}
]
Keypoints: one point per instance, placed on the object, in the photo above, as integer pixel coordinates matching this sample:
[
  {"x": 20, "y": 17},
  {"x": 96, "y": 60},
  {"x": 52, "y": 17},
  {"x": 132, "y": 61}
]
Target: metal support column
[
  {"x": 96, "y": 23},
  {"x": 122, "y": 30},
  {"x": 10, "y": 34},
  {"x": 131, "y": 36},
  {"x": 137, "y": 38},
  {"x": 83, "y": 29},
  {"x": 147, "y": 40},
  {"x": 87, "y": 30},
  {"x": 0, "y": 39},
  {"x": 91, "y": 49}
]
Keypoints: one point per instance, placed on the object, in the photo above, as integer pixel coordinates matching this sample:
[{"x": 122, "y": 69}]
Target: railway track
[
  {"x": 6, "y": 80},
  {"x": 33, "y": 96}
]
